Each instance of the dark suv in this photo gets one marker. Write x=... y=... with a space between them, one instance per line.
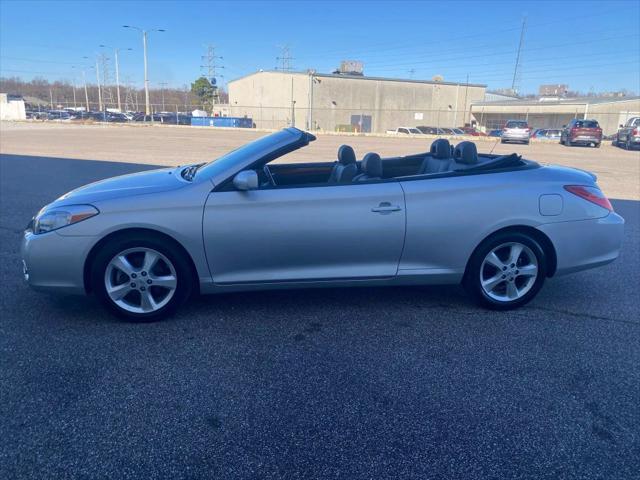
x=581 y=132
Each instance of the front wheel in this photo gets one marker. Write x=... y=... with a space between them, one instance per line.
x=506 y=271
x=140 y=278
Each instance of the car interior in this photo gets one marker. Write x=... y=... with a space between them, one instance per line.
x=441 y=160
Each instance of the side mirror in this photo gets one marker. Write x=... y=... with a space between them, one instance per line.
x=246 y=180
x=620 y=126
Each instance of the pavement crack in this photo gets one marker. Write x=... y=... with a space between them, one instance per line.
x=583 y=315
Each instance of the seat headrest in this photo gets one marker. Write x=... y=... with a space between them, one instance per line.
x=346 y=155
x=466 y=153
x=441 y=148
x=372 y=165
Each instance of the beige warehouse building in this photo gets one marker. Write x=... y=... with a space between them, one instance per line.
x=609 y=112
x=342 y=102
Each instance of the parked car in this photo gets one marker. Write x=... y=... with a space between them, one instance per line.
x=474 y=132
x=516 y=131
x=497 y=132
x=458 y=131
x=499 y=224
x=405 y=131
x=628 y=135
x=581 y=132
x=547 y=134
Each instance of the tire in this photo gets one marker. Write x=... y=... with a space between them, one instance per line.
x=598 y=144
x=480 y=269
x=135 y=294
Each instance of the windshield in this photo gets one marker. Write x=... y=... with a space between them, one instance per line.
x=415 y=131
x=587 y=124
x=257 y=148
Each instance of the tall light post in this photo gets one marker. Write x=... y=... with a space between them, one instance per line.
x=117 y=51
x=146 y=76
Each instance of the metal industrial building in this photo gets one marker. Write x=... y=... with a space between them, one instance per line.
x=609 y=112
x=343 y=102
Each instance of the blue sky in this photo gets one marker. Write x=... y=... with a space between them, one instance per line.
x=589 y=45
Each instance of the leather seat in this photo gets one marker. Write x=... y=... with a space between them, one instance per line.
x=346 y=167
x=439 y=158
x=465 y=155
x=371 y=166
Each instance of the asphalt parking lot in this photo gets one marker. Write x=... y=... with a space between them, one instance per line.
x=360 y=383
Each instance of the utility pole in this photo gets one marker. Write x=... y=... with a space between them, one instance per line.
x=146 y=72
x=514 y=83
x=98 y=80
x=285 y=59
x=211 y=68
x=86 y=93
x=466 y=92
x=162 y=85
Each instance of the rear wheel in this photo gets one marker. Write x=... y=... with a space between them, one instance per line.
x=140 y=278
x=506 y=271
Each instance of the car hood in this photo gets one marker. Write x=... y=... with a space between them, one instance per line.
x=152 y=181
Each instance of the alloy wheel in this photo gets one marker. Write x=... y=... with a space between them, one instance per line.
x=508 y=272
x=140 y=280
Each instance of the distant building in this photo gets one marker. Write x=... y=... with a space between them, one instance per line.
x=556 y=90
x=343 y=102
x=12 y=107
x=609 y=112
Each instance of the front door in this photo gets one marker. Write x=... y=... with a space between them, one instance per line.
x=304 y=234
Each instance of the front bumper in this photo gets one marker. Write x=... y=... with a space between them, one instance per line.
x=585 y=244
x=52 y=262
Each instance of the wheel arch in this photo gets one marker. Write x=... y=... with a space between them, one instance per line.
x=537 y=235
x=132 y=231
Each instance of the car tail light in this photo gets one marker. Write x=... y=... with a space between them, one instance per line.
x=590 y=194
x=636 y=131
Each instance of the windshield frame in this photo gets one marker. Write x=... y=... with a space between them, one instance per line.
x=253 y=154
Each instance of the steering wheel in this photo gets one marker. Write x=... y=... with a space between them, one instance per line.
x=267 y=172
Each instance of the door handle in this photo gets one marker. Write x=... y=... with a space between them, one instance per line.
x=385 y=208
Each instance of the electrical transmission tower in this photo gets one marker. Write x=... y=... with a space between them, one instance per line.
x=107 y=95
x=129 y=102
x=284 y=59
x=515 y=84
x=211 y=68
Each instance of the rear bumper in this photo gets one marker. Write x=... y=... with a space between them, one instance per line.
x=586 y=243
x=516 y=137
x=585 y=139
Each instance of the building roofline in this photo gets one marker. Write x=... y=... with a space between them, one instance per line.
x=360 y=77
x=572 y=101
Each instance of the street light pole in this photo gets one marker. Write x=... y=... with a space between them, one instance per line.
x=146 y=73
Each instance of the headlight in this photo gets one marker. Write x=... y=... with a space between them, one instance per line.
x=54 y=218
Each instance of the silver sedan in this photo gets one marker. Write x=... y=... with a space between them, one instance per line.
x=144 y=243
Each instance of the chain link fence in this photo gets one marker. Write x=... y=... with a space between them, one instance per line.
x=478 y=119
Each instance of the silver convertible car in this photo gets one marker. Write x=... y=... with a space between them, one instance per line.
x=500 y=224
